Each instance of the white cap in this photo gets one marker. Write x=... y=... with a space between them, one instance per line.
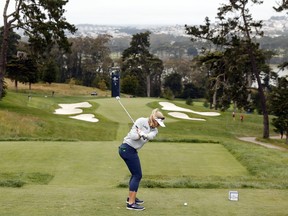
x=157 y=116
x=160 y=121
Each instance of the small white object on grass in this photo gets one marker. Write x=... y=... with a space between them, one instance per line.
x=233 y=195
x=185 y=204
x=117 y=98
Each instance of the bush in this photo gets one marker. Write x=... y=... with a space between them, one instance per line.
x=189 y=101
x=168 y=94
x=206 y=104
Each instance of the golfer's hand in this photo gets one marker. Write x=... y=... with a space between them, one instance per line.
x=142 y=134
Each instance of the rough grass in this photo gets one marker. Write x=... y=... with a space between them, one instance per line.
x=275 y=141
x=17 y=125
x=58 y=88
x=19 y=179
x=33 y=119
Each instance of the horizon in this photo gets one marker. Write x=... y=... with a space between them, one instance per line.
x=165 y=24
x=160 y=12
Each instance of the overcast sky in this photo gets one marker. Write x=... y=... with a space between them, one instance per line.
x=139 y=12
x=152 y=11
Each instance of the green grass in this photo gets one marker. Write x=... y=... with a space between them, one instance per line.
x=53 y=165
x=86 y=177
x=72 y=162
x=34 y=120
x=184 y=165
x=89 y=200
x=277 y=142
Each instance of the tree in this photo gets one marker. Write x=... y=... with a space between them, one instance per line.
x=50 y=70
x=23 y=70
x=174 y=83
x=225 y=80
x=279 y=106
x=31 y=74
x=14 y=70
x=279 y=96
x=232 y=31
x=192 y=91
x=89 y=60
x=281 y=6
x=156 y=69
x=11 y=51
x=129 y=85
x=182 y=67
x=13 y=42
x=139 y=62
x=216 y=82
x=42 y=21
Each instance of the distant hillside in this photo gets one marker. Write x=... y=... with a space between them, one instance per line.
x=275 y=26
x=123 y=31
x=171 y=41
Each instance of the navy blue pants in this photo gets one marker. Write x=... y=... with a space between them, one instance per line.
x=130 y=156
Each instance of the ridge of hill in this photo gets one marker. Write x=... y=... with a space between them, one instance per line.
x=275 y=26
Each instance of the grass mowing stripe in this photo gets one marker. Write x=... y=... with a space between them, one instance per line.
x=70 y=163
x=85 y=162
x=164 y=164
x=186 y=159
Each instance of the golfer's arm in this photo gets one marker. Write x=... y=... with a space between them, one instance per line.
x=134 y=135
x=151 y=135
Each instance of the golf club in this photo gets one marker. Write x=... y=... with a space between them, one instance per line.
x=118 y=98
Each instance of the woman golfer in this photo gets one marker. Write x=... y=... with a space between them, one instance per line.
x=143 y=130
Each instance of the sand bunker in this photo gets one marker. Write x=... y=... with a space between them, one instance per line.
x=184 y=116
x=85 y=117
x=71 y=109
x=68 y=111
x=172 y=107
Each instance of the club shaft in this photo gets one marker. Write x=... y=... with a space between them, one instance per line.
x=126 y=111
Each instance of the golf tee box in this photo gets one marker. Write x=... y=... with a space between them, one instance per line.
x=233 y=195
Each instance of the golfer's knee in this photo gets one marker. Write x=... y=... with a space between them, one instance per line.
x=137 y=177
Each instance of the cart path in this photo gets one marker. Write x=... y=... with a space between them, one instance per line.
x=267 y=145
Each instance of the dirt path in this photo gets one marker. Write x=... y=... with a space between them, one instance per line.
x=267 y=145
